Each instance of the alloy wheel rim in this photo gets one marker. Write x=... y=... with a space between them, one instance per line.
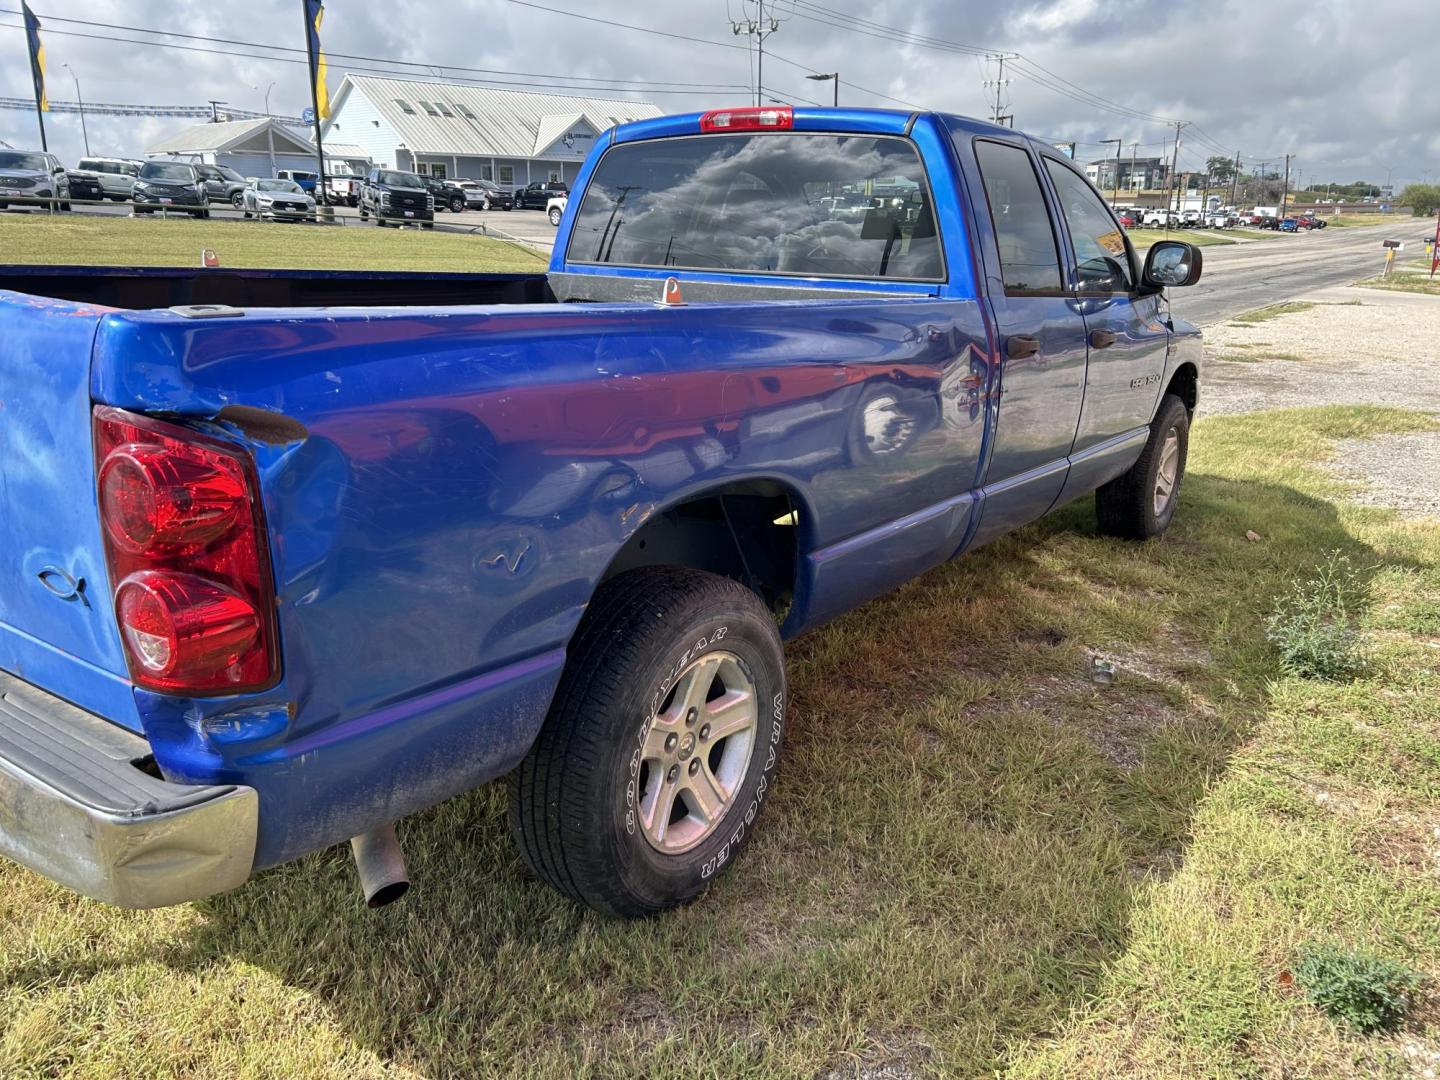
x=1165 y=475
x=696 y=753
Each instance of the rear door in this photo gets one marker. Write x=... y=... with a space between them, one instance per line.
x=1041 y=336
x=1126 y=337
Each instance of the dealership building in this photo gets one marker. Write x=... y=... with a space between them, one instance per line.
x=443 y=129
x=255 y=148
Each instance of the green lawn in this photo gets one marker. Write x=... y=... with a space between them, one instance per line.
x=977 y=859
x=123 y=241
x=1143 y=238
x=1416 y=281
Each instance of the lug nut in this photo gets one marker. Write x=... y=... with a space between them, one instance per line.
x=690 y=716
x=673 y=774
x=670 y=741
x=694 y=765
x=704 y=731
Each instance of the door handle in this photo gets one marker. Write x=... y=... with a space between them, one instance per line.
x=1101 y=339
x=1018 y=346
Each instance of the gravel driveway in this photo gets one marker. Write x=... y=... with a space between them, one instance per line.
x=1355 y=347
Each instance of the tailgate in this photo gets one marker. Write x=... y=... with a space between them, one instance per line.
x=57 y=629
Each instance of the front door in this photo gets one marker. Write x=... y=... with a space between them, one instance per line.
x=1126 y=336
x=1041 y=336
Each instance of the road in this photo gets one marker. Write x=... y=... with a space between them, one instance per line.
x=1246 y=276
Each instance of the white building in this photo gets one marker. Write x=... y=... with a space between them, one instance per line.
x=511 y=137
x=255 y=148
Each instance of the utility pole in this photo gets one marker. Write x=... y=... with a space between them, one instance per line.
x=1175 y=165
x=760 y=28
x=1133 y=148
x=999 y=83
x=1235 y=178
x=1115 y=187
x=1285 y=192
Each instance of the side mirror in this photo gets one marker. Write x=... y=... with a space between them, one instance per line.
x=1172 y=262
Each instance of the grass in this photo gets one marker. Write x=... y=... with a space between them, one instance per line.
x=94 y=239
x=1274 y=311
x=1143 y=238
x=976 y=860
x=1417 y=281
x=1360 y=221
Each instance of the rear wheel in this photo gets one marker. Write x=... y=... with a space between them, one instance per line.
x=457 y=204
x=660 y=745
x=555 y=216
x=1140 y=503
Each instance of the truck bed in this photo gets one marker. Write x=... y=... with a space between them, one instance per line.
x=139 y=287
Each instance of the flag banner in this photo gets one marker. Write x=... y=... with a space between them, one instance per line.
x=37 y=55
x=315 y=12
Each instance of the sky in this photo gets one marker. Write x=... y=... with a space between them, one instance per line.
x=1348 y=88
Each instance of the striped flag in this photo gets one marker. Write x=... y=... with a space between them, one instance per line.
x=37 y=55
x=315 y=13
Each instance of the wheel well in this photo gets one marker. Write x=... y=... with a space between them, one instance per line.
x=745 y=531
x=1185 y=384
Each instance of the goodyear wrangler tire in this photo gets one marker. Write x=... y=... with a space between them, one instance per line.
x=661 y=744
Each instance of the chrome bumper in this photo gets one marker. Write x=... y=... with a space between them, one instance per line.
x=75 y=808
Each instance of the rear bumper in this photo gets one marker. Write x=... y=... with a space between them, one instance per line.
x=75 y=808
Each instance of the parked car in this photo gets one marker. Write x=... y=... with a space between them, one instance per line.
x=338 y=554
x=170 y=185
x=1309 y=221
x=486 y=195
x=1130 y=218
x=85 y=186
x=283 y=200
x=390 y=195
x=1191 y=219
x=1220 y=220
x=303 y=177
x=1289 y=224
x=33 y=178
x=448 y=195
x=117 y=175
x=343 y=189
x=537 y=196
x=222 y=184
x=1159 y=218
x=555 y=209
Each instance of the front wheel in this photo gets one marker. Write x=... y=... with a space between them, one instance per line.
x=555 y=216
x=660 y=745
x=1140 y=503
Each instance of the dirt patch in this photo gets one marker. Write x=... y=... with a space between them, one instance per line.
x=1398 y=471
x=1379 y=351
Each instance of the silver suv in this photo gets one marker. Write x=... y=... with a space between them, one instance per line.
x=222 y=184
x=28 y=176
x=116 y=175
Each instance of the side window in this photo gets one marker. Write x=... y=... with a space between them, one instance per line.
x=1101 y=259
x=1029 y=259
x=507 y=175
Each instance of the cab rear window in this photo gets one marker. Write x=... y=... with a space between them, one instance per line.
x=848 y=206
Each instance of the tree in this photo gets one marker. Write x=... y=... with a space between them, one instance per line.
x=1424 y=199
x=1220 y=169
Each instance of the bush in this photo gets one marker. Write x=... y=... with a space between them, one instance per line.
x=1314 y=627
x=1364 y=991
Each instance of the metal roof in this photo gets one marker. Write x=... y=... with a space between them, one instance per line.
x=207 y=138
x=481 y=122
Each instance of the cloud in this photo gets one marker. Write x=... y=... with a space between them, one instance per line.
x=1344 y=87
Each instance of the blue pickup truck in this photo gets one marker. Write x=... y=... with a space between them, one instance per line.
x=289 y=556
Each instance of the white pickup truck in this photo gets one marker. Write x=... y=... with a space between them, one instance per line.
x=555 y=208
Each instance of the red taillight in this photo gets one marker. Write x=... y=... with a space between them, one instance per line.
x=752 y=119
x=189 y=563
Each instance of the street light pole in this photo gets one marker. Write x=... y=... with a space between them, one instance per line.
x=80 y=101
x=1115 y=187
x=834 y=77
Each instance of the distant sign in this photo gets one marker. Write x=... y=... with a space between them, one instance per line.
x=1398 y=245
x=1066 y=148
x=1384 y=207
x=308 y=116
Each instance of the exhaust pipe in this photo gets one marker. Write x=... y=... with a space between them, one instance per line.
x=382 y=867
